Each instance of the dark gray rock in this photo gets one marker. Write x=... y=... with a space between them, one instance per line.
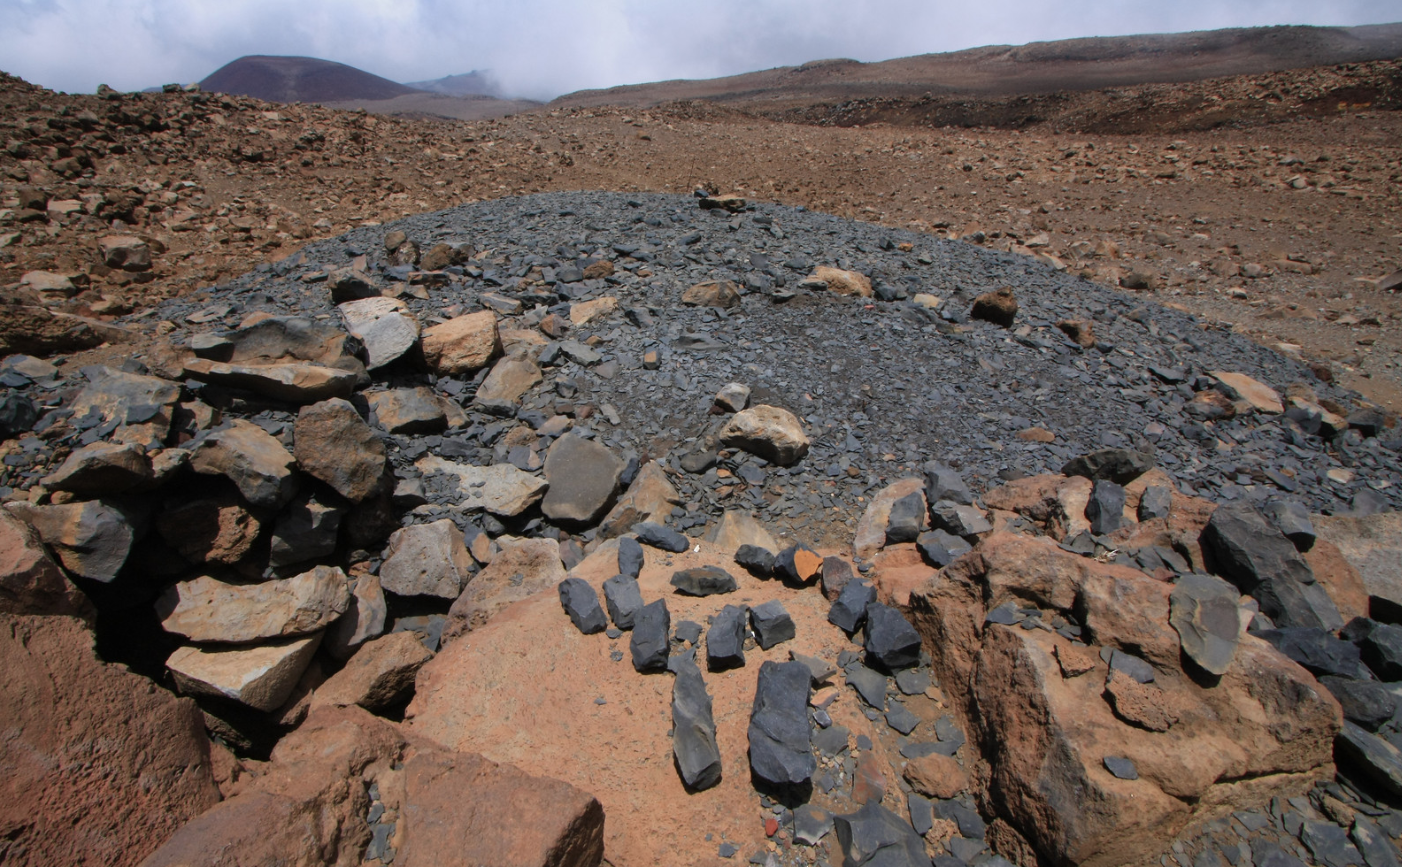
x=652 y=627
x=811 y=824
x=756 y=560
x=1318 y=651
x=1121 y=767
x=912 y=681
x=704 y=581
x=1381 y=648
x=940 y=548
x=583 y=476
x=1371 y=756
x=1259 y=560
x=725 y=640
x=771 y=623
x=877 y=837
x=1204 y=611
x=1105 y=509
x=624 y=600
x=693 y=728
x=779 y=734
x=907 y=518
x=1265 y=853
x=1327 y=842
x=849 y=612
x=1131 y=665
x=970 y=823
x=630 y=557
x=945 y=483
x=1120 y=466
x=870 y=685
x=890 y=639
x=658 y=536
x=831 y=741
x=836 y=572
x=901 y=719
x=959 y=519
x=1292 y=519
x=17 y=414
x=306 y=531
x=1155 y=502
x=922 y=814
x=1373 y=842
x=688 y=631
x=581 y=603
x=1365 y=702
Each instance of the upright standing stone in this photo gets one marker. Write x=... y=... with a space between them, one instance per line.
x=693 y=728
x=772 y=624
x=781 y=752
x=1105 y=511
x=630 y=557
x=890 y=639
x=725 y=640
x=624 y=600
x=652 y=629
x=850 y=610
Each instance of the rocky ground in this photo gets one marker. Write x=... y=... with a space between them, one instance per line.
x=649 y=527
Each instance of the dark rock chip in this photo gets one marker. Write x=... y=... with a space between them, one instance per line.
x=1381 y=647
x=1265 y=853
x=940 y=548
x=788 y=563
x=1370 y=755
x=662 y=537
x=945 y=483
x=831 y=741
x=703 y=581
x=848 y=613
x=1121 y=767
x=630 y=557
x=1292 y=519
x=959 y=519
x=1373 y=842
x=652 y=627
x=811 y=824
x=971 y=824
x=755 y=560
x=907 y=518
x=912 y=681
x=901 y=719
x=1156 y=502
x=870 y=685
x=771 y=623
x=1203 y=609
x=17 y=414
x=779 y=734
x=1105 y=510
x=1318 y=651
x=890 y=639
x=1131 y=665
x=306 y=531
x=875 y=836
x=725 y=640
x=688 y=631
x=581 y=603
x=1120 y=466
x=1259 y=560
x=693 y=728
x=624 y=600
x=836 y=572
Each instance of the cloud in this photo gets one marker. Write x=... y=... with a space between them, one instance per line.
x=542 y=48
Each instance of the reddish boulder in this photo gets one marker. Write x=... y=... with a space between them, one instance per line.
x=100 y=765
x=30 y=581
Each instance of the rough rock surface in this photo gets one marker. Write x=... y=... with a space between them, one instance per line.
x=30 y=581
x=208 y=610
x=583 y=477
x=523 y=567
x=771 y=432
x=379 y=676
x=334 y=444
x=260 y=676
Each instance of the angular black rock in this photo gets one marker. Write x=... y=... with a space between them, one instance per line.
x=890 y=639
x=1105 y=510
x=755 y=560
x=693 y=728
x=1372 y=841
x=875 y=836
x=1131 y=665
x=850 y=610
x=1370 y=756
x=970 y=823
x=704 y=581
x=1318 y=651
x=901 y=719
x=630 y=557
x=907 y=517
x=780 y=742
x=624 y=599
x=771 y=623
x=1121 y=767
x=945 y=483
x=870 y=685
x=958 y=518
x=688 y=631
x=1120 y=466
x=1382 y=650
x=17 y=414
x=1259 y=560
x=784 y=565
x=940 y=548
x=652 y=627
x=1292 y=519
x=811 y=824
x=581 y=603
x=1365 y=702
x=725 y=640
x=659 y=536
x=1156 y=502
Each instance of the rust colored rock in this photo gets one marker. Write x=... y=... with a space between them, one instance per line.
x=378 y=676
x=511 y=377
x=1339 y=577
x=1075 y=661
x=712 y=293
x=101 y=766
x=1080 y=331
x=252 y=459
x=998 y=307
x=217 y=529
x=335 y=445
x=936 y=776
x=102 y=468
x=649 y=498
x=868 y=783
x=521 y=568
x=30 y=581
x=463 y=344
x=510 y=818
x=842 y=282
x=1143 y=704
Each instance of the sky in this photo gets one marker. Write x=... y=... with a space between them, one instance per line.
x=543 y=48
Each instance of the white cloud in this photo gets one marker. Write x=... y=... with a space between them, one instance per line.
x=542 y=48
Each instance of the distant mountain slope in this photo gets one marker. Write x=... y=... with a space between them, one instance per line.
x=439 y=106
x=478 y=82
x=300 y=79
x=1039 y=67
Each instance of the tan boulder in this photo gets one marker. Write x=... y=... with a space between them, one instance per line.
x=1239 y=386
x=101 y=766
x=842 y=282
x=740 y=528
x=511 y=377
x=257 y=464
x=897 y=571
x=1341 y=580
x=378 y=676
x=261 y=676
x=771 y=432
x=426 y=560
x=712 y=293
x=587 y=311
x=294 y=383
x=649 y=498
x=208 y=610
x=999 y=307
x=463 y=344
x=521 y=568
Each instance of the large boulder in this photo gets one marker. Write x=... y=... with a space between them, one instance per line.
x=523 y=567
x=426 y=560
x=1256 y=557
x=335 y=445
x=511 y=377
x=208 y=610
x=294 y=382
x=102 y=468
x=257 y=464
x=101 y=766
x=583 y=477
x=142 y=406
x=92 y=540
x=30 y=581
x=385 y=326
x=1261 y=729
x=463 y=344
x=771 y=432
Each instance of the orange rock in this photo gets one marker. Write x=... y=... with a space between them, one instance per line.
x=936 y=776
x=1340 y=579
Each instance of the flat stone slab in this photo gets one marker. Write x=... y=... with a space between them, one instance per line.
x=504 y=490
x=261 y=677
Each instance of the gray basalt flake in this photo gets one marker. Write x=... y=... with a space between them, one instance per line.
x=630 y=557
x=703 y=581
x=772 y=624
x=781 y=751
x=725 y=640
x=875 y=836
x=651 y=628
x=890 y=639
x=693 y=728
x=850 y=610
x=1255 y=556
x=1203 y=609
x=581 y=603
x=624 y=600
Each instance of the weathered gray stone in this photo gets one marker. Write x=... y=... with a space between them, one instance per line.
x=364 y=618
x=1105 y=509
x=890 y=639
x=624 y=600
x=1204 y=611
x=959 y=519
x=781 y=752
x=1120 y=466
x=725 y=640
x=385 y=326
x=583 y=477
x=408 y=410
x=257 y=464
x=694 y=729
x=1259 y=560
x=849 y=611
x=771 y=623
x=208 y=610
x=291 y=382
x=511 y=377
x=875 y=836
x=307 y=530
x=703 y=581
x=733 y=397
x=652 y=628
x=102 y=468
x=581 y=603
x=426 y=560
x=773 y=433
x=91 y=540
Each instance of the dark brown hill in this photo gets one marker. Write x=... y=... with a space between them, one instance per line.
x=1036 y=68
x=299 y=79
